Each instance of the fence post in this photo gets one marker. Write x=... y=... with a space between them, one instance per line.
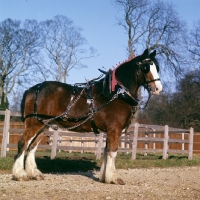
x=134 y=143
x=98 y=156
x=165 y=142
x=146 y=144
x=190 y=147
x=5 y=133
x=183 y=138
x=54 y=144
x=154 y=136
x=123 y=143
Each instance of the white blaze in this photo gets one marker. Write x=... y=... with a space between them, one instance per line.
x=155 y=76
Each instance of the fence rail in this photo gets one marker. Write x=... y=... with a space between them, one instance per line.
x=130 y=142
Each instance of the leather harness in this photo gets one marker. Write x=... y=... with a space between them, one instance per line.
x=118 y=90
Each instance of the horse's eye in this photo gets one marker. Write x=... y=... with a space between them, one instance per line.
x=145 y=68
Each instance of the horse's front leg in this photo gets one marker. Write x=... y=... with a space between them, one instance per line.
x=108 y=173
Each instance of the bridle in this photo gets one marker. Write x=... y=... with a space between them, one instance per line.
x=144 y=66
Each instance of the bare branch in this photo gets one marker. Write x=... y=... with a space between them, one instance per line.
x=18 y=49
x=64 y=45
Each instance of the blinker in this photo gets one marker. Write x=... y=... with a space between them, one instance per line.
x=145 y=68
x=145 y=65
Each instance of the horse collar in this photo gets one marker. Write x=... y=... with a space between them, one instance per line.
x=125 y=95
x=122 y=91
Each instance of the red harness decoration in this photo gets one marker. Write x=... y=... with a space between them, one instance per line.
x=114 y=80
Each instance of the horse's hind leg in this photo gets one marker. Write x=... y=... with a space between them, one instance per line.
x=30 y=164
x=32 y=127
x=18 y=168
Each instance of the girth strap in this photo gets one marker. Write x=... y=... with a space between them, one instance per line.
x=36 y=97
x=41 y=117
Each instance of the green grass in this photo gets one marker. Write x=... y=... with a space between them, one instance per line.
x=75 y=162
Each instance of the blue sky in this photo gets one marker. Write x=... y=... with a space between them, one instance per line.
x=97 y=18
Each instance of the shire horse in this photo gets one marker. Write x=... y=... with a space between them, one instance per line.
x=105 y=104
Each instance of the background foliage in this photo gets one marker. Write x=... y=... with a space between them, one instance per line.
x=33 y=51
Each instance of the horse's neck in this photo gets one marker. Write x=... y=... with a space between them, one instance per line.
x=134 y=90
x=132 y=84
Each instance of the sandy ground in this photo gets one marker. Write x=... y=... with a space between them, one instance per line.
x=147 y=184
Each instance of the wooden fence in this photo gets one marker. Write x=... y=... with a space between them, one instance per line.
x=139 y=138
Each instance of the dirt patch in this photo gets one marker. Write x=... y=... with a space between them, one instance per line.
x=5 y=172
x=168 y=183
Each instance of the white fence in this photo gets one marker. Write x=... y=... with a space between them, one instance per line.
x=129 y=142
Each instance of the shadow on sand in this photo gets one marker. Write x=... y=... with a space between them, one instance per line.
x=68 y=166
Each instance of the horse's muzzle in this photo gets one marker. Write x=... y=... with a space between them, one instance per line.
x=156 y=90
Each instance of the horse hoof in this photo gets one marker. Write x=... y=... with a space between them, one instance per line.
x=38 y=178
x=24 y=178
x=120 y=181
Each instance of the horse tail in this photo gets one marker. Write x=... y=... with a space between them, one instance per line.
x=23 y=105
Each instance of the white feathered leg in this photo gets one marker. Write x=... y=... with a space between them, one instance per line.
x=18 y=169
x=108 y=173
x=31 y=167
x=103 y=166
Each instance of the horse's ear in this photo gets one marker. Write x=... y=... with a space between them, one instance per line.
x=145 y=54
x=153 y=54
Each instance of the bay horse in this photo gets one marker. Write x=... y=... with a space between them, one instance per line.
x=105 y=104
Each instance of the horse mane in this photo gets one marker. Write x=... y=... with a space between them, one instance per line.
x=126 y=72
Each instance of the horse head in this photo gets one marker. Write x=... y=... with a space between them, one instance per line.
x=139 y=71
x=147 y=73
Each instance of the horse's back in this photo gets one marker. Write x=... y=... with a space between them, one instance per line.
x=46 y=98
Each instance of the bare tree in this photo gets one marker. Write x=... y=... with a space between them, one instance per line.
x=154 y=25
x=65 y=47
x=194 y=45
x=18 y=52
x=132 y=21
